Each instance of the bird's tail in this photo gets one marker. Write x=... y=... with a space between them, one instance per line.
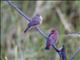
x=47 y=47
x=26 y=29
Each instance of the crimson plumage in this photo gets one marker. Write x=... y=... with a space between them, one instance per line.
x=52 y=39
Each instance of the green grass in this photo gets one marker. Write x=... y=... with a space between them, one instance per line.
x=32 y=44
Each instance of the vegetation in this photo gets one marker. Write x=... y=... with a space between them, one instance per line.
x=15 y=45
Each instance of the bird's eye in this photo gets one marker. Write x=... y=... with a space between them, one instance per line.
x=52 y=31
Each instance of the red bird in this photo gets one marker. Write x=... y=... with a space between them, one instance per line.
x=52 y=39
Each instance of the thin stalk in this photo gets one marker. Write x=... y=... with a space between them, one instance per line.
x=77 y=51
x=61 y=51
x=19 y=11
x=26 y=17
x=41 y=32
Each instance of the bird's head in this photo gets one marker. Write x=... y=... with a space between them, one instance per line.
x=39 y=16
x=53 y=31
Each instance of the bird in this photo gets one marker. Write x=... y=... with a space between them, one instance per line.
x=52 y=39
x=36 y=21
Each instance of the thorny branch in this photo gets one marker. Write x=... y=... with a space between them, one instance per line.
x=25 y=16
x=77 y=51
x=61 y=51
x=19 y=11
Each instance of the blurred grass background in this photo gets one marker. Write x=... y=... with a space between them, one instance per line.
x=15 y=45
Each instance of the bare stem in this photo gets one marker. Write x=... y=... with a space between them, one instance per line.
x=77 y=51
x=26 y=17
x=61 y=51
x=57 y=50
x=41 y=32
x=19 y=11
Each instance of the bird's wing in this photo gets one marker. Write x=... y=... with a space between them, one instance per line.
x=52 y=39
x=34 y=22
